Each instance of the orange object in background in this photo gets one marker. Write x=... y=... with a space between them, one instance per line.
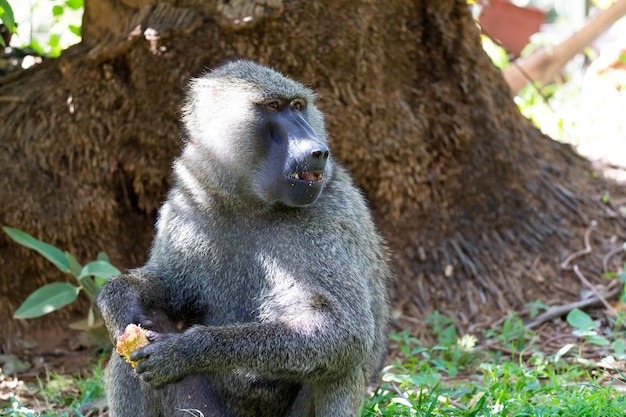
x=509 y=24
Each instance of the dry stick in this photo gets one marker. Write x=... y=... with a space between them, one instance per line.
x=594 y=290
x=586 y=250
x=400 y=393
x=605 y=260
x=598 y=298
x=554 y=312
x=557 y=337
x=581 y=277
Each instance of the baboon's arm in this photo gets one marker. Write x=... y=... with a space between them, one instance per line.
x=126 y=298
x=274 y=350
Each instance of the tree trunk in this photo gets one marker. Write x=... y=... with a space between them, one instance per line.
x=478 y=207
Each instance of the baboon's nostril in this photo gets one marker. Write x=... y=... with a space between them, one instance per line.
x=320 y=154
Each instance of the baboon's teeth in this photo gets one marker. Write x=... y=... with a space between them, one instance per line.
x=308 y=176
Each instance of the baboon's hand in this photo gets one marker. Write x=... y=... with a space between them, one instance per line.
x=139 y=319
x=164 y=361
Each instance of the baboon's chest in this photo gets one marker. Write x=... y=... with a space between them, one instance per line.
x=268 y=273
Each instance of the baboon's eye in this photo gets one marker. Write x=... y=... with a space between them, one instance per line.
x=298 y=105
x=273 y=105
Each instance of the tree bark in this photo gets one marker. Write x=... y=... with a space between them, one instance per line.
x=478 y=207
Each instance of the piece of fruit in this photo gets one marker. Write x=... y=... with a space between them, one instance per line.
x=133 y=338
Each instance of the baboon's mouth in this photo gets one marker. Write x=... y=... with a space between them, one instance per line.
x=307 y=176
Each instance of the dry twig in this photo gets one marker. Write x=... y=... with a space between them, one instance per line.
x=561 y=310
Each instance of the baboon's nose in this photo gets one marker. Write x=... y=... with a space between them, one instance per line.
x=320 y=154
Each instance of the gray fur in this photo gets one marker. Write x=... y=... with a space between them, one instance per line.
x=257 y=308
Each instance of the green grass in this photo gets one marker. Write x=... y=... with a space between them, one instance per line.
x=456 y=377
x=505 y=388
x=55 y=395
x=504 y=374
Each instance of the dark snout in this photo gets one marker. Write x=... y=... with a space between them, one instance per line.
x=301 y=157
x=306 y=169
x=307 y=159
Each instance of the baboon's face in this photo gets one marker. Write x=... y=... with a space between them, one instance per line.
x=255 y=134
x=293 y=159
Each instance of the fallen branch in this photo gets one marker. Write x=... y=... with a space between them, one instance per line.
x=612 y=252
x=597 y=299
x=559 y=311
x=594 y=290
x=585 y=251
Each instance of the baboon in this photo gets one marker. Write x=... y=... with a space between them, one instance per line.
x=265 y=290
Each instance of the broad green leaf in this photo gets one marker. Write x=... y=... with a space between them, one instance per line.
x=598 y=340
x=57 y=10
x=100 y=282
x=76 y=30
x=580 y=320
x=103 y=257
x=88 y=284
x=47 y=299
x=619 y=349
x=37 y=47
x=54 y=40
x=51 y=253
x=6 y=15
x=101 y=269
x=75 y=266
x=74 y=4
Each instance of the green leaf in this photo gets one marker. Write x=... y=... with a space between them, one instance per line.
x=88 y=284
x=75 y=266
x=47 y=299
x=74 y=4
x=100 y=282
x=76 y=30
x=580 y=320
x=103 y=257
x=51 y=253
x=101 y=269
x=6 y=15
x=54 y=40
x=37 y=47
x=619 y=349
x=57 y=10
x=598 y=340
